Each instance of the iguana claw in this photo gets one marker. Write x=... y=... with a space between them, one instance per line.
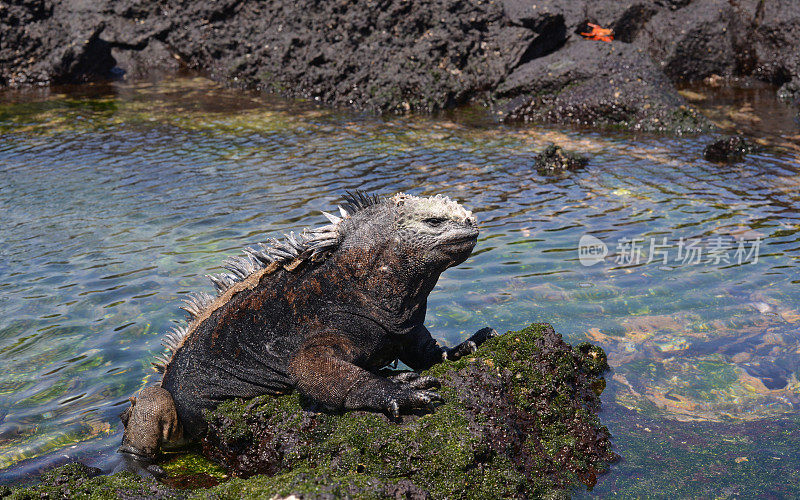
x=470 y=345
x=412 y=393
x=483 y=335
x=394 y=410
x=414 y=399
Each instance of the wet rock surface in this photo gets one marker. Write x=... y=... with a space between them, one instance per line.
x=728 y=150
x=596 y=83
x=696 y=41
x=396 y=56
x=519 y=421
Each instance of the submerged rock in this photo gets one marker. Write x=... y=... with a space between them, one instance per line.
x=554 y=160
x=519 y=421
x=728 y=150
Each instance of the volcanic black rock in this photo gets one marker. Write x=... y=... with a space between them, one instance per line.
x=398 y=56
x=728 y=150
x=554 y=160
x=596 y=83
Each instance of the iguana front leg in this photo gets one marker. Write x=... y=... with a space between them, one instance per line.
x=324 y=371
x=422 y=351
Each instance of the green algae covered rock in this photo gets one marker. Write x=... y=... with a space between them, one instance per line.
x=76 y=480
x=519 y=421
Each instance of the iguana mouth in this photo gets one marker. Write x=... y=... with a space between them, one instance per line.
x=459 y=245
x=464 y=239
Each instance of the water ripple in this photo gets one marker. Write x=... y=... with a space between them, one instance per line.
x=107 y=221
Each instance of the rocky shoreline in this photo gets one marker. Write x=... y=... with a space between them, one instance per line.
x=520 y=420
x=525 y=59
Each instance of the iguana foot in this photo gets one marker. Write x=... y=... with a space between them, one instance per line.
x=411 y=393
x=404 y=392
x=150 y=422
x=470 y=345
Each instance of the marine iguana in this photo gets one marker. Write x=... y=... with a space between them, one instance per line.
x=320 y=313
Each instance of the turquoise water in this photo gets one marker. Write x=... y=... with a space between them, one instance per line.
x=115 y=201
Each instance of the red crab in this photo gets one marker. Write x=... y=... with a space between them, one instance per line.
x=598 y=33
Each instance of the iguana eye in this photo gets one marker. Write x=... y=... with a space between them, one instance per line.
x=434 y=221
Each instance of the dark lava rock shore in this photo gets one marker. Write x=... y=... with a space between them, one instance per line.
x=526 y=58
x=519 y=420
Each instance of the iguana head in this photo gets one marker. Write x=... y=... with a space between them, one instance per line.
x=437 y=229
x=417 y=237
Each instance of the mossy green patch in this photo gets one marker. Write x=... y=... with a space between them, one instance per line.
x=192 y=471
x=77 y=481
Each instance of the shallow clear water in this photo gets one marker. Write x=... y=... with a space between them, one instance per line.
x=114 y=203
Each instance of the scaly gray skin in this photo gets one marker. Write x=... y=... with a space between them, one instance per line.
x=320 y=313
